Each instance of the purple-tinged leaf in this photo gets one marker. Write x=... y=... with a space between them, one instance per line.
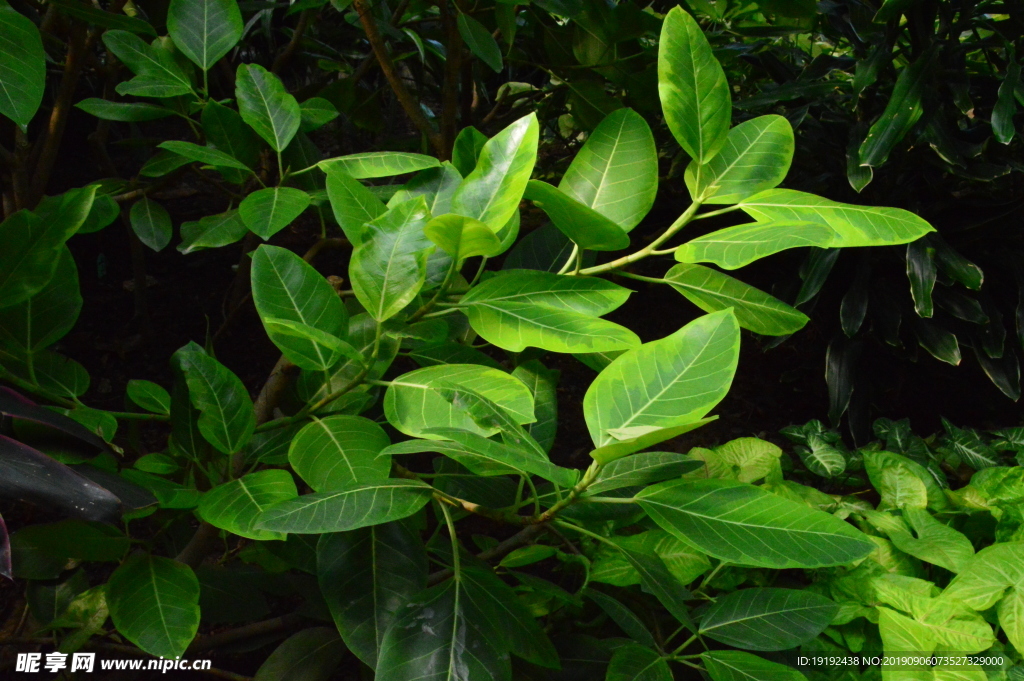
x=13 y=404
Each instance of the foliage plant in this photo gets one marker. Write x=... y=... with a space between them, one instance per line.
x=372 y=479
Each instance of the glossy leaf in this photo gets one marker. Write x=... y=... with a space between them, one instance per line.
x=374 y=164
x=755 y=157
x=767 y=618
x=542 y=383
x=23 y=67
x=312 y=654
x=353 y=204
x=922 y=273
x=154 y=603
x=492 y=192
x=340 y=451
x=694 y=93
x=735 y=247
x=389 y=267
x=633 y=662
x=642 y=469
x=901 y=112
x=1006 y=103
x=149 y=396
x=151 y=223
x=212 y=231
x=652 y=386
x=366 y=576
x=740 y=523
x=226 y=417
x=436 y=185
x=347 y=508
x=156 y=72
x=266 y=105
x=755 y=310
x=468 y=145
x=204 y=30
x=735 y=665
x=236 y=506
x=463 y=237
x=586 y=227
x=480 y=41
x=267 y=211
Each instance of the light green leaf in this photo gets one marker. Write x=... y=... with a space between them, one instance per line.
x=347 y=508
x=735 y=247
x=208 y=155
x=767 y=619
x=756 y=156
x=389 y=267
x=151 y=223
x=154 y=603
x=589 y=229
x=23 y=67
x=643 y=469
x=340 y=451
x=853 y=225
x=924 y=537
x=226 y=412
x=436 y=185
x=1011 y=617
x=266 y=105
x=480 y=41
x=633 y=662
x=463 y=237
x=516 y=326
x=413 y=403
x=285 y=287
x=325 y=349
x=586 y=295
x=487 y=457
x=542 y=383
x=46 y=317
x=694 y=92
x=735 y=665
x=372 y=164
x=616 y=171
x=901 y=112
x=204 y=30
x=984 y=579
x=123 y=111
x=656 y=385
x=822 y=457
x=625 y=441
x=492 y=192
x=743 y=524
x=267 y=211
x=353 y=204
x=877 y=463
x=212 y=231
x=237 y=505
x=755 y=310
x=366 y=576
x=149 y=396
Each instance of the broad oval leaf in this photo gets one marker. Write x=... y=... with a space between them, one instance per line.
x=735 y=665
x=463 y=237
x=237 y=505
x=157 y=73
x=517 y=326
x=212 y=231
x=340 y=451
x=768 y=618
x=312 y=654
x=286 y=287
x=694 y=92
x=756 y=156
x=347 y=508
x=372 y=164
x=743 y=524
x=151 y=223
x=149 y=396
x=47 y=316
x=154 y=603
x=853 y=225
x=634 y=662
x=353 y=205
x=984 y=579
x=226 y=417
x=23 y=67
x=616 y=171
x=480 y=41
x=267 y=211
x=665 y=383
x=755 y=310
x=586 y=295
x=266 y=105
x=734 y=247
x=586 y=227
x=414 y=404
x=204 y=30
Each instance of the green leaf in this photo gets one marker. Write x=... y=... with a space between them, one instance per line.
x=204 y=30
x=625 y=441
x=103 y=18
x=208 y=155
x=23 y=67
x=735 y=247
x=267 y=211
x=316 y=113
x=162 y=163
x=157 y=74
x=627 y=620
x=123 y=111
x=589 y=229
x=743 y=524
x=984 y=579
x=154 y=603
x=921 y=272
x=285 y=287
x=924 y=537
x=340 y=451
x=901 y=112
x=694 y=92
x=413 y=403
x=1006 y=103
x=756 y=156
x=436 y=185
x=226 y=131
x=312 y=654
x=366 y=576
x=347 y=508
x=266 y=105
x=149 y=396
x=755 y=310
x=77 y=539
x=853 y=225
x=47 y=316
x=542 y=383
x=734 y=665
x=151 y=223
x=492 y=192
x=767 y=619
x=372 y=164
x=226 y=412
x=656 y=580
x=480 y=41
x=654 y=386
x=641 y=470
x=822 y=457
x=353 y=204
x=468 y=145
x=616 y=171
x=633 y=662
x=487 y=457
x=236 y=506
x=103 y=211
x=212 y=231
x=463 y=237
x=389 y=267
x=587 y=295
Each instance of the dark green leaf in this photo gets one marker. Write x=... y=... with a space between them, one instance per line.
x=922 y=272
x=634 y=662
x=339 y=451
x=347 y=508
x=642 y=469
x=767 y=619
x=266 y=105
x=237 y=506
x=123 y=111
x=901 y=113
x=226 y=412
x=589 y=229
x=212 y=231
x=23 y=67
x=310 y=655
x=151 y=223
x=267 y=211
x=480 y=41
x=734 y=665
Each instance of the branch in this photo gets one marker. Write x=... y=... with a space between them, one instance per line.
x=521 y=538
x=224 y=638
x=293 y=44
